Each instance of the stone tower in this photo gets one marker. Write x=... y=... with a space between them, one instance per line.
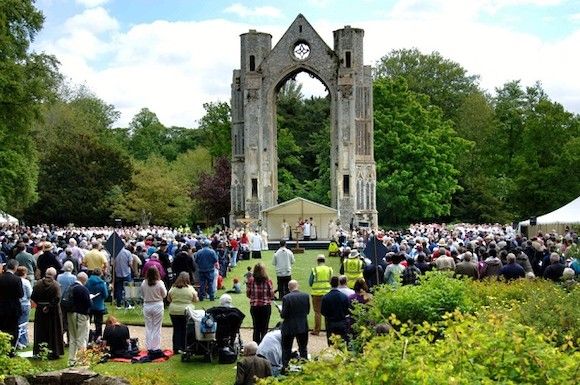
x=263 y=71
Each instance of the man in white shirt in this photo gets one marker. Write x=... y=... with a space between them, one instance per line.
x=307 y=228
x=283 y=260
x=256 y=245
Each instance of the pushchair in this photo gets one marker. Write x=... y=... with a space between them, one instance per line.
x=199 y=341
x=228 y=338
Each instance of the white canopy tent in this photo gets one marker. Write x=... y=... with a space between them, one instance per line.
x=567 y=215
x=295 y=209
x=7 y=219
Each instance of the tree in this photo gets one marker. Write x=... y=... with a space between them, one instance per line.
x=416 y=154
x=212 y=192
x=445 y=82
x=80 y=165
x=147 y=135
x=215 y=126
x=156 y=190
x=27 y=79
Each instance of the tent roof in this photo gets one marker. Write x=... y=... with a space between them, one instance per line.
x=7 y=218
x=569 y=213
x=300 y=206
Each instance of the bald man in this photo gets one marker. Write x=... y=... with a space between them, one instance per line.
x=295 y=309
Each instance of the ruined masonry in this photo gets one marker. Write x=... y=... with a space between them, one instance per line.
x=263 y=71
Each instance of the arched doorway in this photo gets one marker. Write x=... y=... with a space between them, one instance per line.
x=254 y=153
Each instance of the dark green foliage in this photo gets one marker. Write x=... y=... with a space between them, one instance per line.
x=27 y=79
x=215 y=127
x=303 y=146
x=416 y=152
x=212 y=193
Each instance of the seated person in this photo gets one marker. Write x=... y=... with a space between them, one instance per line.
x=229 y=320
x=333 y=249
x=271 y=349
x=237 y=288
x=116 y=337
x=252 y=366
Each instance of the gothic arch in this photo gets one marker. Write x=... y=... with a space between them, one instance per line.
x=255 y=85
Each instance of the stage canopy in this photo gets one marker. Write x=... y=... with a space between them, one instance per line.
x=567 y=215
x=294 y=210
x=7 y=218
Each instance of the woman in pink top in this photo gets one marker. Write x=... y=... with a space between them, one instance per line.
x=154 y=291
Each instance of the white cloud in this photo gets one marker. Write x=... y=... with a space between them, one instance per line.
x=92 y=3
x=174 y=67
x=575 y=17
x=243 y=11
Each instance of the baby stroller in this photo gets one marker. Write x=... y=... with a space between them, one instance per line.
x=228 y=339
x=200 y=335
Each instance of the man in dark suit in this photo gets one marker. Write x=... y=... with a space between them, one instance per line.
x=10 y=293
x=295 y=309
x=335 y=309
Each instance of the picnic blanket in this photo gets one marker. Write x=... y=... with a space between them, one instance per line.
x=143 y=357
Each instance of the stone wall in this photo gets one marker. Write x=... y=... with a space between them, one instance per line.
x=72 y=376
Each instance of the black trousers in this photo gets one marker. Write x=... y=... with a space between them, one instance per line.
x=178 y=322
x=283 y=285
x=256 y=254
x=9 y=325
x=98 y=320
x=288 y=340
x=260 y=319
x=339 y=328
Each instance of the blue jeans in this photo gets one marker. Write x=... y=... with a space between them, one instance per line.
x=206 y=281
x=120 y=289
x=234 y=259
x=23 y=320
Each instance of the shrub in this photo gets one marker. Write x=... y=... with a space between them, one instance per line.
x=474 y=350
x=11 y=366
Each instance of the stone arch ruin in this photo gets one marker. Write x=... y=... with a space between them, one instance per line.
x=263 y=70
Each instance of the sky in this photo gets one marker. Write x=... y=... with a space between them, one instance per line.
x=172 y=56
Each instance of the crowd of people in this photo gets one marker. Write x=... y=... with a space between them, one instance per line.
x=67 y=273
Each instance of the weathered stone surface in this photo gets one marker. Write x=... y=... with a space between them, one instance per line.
x=16 y=380
x=263 y=70
x=106 y=380
x=76 y=376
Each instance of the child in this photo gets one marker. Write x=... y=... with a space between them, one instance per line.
x=236 y=289
x=248 y=274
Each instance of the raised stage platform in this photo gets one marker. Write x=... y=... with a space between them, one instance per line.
x=319 y=244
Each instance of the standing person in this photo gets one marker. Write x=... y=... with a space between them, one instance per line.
x=64 y=280
x=166 y=263
x=123 y=262
x=78 y=318
x=511 y=270
x=260 y=291
x=27 y=260
x=556 y=268
x=206 y=258
x=313 y=230
x=234 y=247
x=306 y=230
x=48 y=317
x=394 y=271
x=47 y=259
x=353 y=268
x=95 y=258
x=98 y=288
x=180 y=296
x=335 y=308
x=22 y=272
x=256 y=245
x=183 y=262
x=285 y=230
x=295 y=309
x=251 y=366
x=10 y=293
x=282 y=261
x=154 y=292
x=320 y=283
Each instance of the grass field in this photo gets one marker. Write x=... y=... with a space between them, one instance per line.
x=300 y=271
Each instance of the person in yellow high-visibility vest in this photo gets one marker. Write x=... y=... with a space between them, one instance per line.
x=353 y=268
x=320 y=284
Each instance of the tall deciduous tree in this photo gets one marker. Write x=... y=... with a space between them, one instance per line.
x=212 y=193
x=416 y=154
x=446 y=82
x=27 y=79
x=215 y=127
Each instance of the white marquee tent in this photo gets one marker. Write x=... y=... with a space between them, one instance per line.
x=567 y=215
x=7 y=218
x=295 y=209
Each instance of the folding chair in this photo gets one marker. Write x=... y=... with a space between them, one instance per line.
x=133 y=295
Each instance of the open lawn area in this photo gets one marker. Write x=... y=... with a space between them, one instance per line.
x=300 y=271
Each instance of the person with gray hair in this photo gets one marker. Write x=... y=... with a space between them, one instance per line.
x=568 y=279
x=466 y=267
x=512 y=270
x=46 y=295
x=251 y=366
x=556 y=268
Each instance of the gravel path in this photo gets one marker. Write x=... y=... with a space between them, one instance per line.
x=315 y=343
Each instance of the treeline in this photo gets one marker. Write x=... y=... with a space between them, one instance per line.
x=445 y=148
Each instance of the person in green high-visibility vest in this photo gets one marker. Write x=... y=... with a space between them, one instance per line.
x=353 y=268
x=320 y=284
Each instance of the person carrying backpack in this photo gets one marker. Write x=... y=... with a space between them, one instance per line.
x=411 y=273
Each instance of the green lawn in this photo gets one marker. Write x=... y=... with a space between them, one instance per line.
x=300 y=271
